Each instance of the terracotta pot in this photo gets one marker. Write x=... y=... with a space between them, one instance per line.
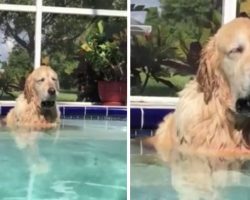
x=112 y=92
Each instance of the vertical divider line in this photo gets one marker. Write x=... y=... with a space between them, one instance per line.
x=107 y=111
x=142 y=117
x=85 y=111
x=38 y=34
x=141 y=147
x=229 y=9
x=128 y=98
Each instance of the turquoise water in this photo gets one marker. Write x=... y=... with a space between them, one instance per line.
x=188 y=177
x=84 y=159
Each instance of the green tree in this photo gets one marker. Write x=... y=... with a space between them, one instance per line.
x=13 y=78
x=178 y=32
x=193 y=20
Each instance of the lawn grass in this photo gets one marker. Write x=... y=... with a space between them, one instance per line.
x=64 y=95
x=155 y=88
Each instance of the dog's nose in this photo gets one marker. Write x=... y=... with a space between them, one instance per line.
x=243 y=106
x=51 y=91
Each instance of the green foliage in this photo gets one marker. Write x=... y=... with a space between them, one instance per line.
x=192 y=20
x=64 y=67
x=20 y=27
x=155 y=88
x=119 y=4
x=18 y=67
x=24 y=2
x=173 y=47
x=15 y=71
x=97 y=4
x=105 y=56
x=61 y=32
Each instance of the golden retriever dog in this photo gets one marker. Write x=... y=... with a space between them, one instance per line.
x=212 y=114
x=36 y=106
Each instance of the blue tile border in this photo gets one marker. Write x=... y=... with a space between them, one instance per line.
x=117 y=111
x=152 y=117
x=144 y=121
x=73 y=111
x=4 y=110
x=82 y=111
x=94 y=111
x=136 y=117
x=147 y=118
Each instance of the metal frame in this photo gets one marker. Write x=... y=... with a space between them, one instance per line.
x=229 y=9
x=39 y=9
x=228 y=13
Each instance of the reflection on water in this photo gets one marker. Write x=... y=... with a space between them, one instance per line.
x=214 y=178
x=26 y=140
x=78 y=161
x=181 y=176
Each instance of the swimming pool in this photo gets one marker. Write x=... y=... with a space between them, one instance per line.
x=84 y=159
x=187 y=177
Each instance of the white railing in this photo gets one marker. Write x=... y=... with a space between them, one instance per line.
x=39 y=9
x=228 y=13
x=229 y=10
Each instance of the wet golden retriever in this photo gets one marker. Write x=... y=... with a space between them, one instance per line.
x=36 y=106
x=212 y=115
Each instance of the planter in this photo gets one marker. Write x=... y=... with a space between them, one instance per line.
x=112 y=92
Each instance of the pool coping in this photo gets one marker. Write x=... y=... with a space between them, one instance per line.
x=144 y=119
x=77 y=110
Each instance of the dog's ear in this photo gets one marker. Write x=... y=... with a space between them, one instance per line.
x=207 y=74
x=28 y=88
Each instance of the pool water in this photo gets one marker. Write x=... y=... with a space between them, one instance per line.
x=84 y=159
x=188 y=177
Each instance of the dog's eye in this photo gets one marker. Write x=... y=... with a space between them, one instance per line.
x=41 y=80
x=54 y=79
x=238 y=49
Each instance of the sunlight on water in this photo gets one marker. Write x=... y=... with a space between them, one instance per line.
x=84 y=159
x=189 y=177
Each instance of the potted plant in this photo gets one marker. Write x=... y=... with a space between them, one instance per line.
x=107 y=58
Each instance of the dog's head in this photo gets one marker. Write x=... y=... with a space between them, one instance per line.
x=226 y=58
x=42 y=86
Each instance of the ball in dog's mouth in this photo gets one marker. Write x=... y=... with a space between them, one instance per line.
x=47 y=104
x=243 y=106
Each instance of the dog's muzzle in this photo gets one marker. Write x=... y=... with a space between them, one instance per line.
x=241 y=115
x=48 y=104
